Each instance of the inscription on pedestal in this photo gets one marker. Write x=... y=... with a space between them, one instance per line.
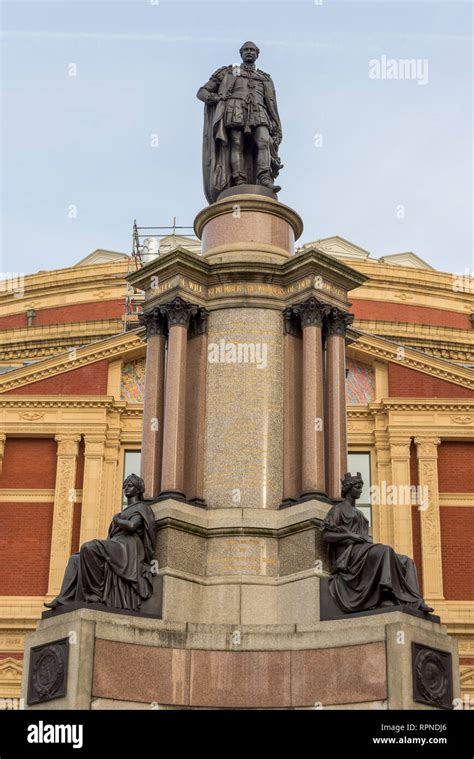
x=242 y=556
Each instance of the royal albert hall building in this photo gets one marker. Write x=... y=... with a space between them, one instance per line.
x=72 y=361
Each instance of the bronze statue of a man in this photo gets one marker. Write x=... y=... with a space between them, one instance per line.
x=242 y=128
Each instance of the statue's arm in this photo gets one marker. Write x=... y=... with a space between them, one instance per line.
x=208 y=92
x=271 y=100
x=330 y=536
x=129 y=525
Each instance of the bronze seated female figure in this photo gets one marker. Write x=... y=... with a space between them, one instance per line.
x=117 y=571
x=365 y=575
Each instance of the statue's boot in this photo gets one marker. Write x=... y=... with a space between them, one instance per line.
x=238 y=178
x=52 y=604
x=427 y=609
x=266 y=181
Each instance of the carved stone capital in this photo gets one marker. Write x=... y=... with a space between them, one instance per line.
x=427 y=447
x=198 y=322
x=291 y=321
x=400 y=447
x=154 y=322
x=179 y=311
x=311 y=312
x=337 y=322
x=68 y=445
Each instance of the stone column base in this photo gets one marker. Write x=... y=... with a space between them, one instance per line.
x=113 y=661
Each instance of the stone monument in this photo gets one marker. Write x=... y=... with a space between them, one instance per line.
x=244 y=449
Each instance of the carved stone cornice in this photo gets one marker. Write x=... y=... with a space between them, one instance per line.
x=337 y=322
x=154 y=321
x=179 y=311
x=311 y=312
x=378 y=347
x=198 y=322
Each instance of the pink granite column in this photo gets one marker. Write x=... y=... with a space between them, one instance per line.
x=337 y=322
x=152 y=429
x=292 y=406
x=196 y=408
x=178 y=313
x=313 y=466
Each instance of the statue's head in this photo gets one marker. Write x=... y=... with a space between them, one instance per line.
x=133 y=486
x=249 y=52
x=352 y=484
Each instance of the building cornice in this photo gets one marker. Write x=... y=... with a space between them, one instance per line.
x=128 y=343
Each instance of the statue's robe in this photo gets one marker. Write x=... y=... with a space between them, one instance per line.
x=216 y=147
x=365 y=574
x=117 y=571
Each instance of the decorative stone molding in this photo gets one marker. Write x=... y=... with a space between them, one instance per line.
x=154 y=322
x=179 y=311
x=381 y=348
x=432 y=676
x=2 y=450
x=427 y=454
x=291 y=322
x=198 y=322
x=427 y=447
x=311 y=312
x=337 y=322
x=114 y=347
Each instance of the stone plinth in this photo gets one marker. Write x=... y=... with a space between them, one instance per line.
x=248 y=227
x=126 y=662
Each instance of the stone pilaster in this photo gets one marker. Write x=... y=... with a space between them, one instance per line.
x=3 y=439
x=92 y=491
x=109 y=504
x=153 y=407
x=382 y=511
x=336 y=324
x=427 y=455
x=402 y=521
x=64 y=500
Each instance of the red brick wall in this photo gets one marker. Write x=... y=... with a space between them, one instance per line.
x=76 y=527
x=398 y=312
x=457 y=544
x=413 y=464
x=29 y=463
x=456 y=467
x=25 y=545
x=80 y=466
x=79 y=312
x=417 y=555
x=90 y=379
x=408 y=383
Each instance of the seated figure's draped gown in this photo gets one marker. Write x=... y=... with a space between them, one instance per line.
x=116 y=571
x=365 y=574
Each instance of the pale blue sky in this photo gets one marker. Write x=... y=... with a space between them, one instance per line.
x=85 y=140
